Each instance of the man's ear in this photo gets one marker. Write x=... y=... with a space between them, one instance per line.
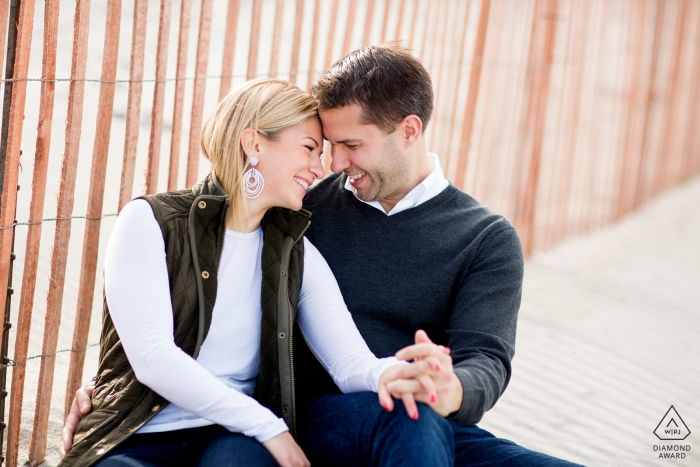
x=249 y=142
x=411 y=127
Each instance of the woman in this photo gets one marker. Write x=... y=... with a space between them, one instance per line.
x=202 y=288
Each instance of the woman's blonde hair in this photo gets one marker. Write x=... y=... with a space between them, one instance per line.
x=265 y=105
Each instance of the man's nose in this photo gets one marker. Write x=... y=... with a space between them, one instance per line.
x=339 y=160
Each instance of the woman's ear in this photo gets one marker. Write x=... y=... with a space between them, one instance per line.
x=249 y=142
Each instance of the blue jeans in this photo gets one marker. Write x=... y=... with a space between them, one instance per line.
x=354 y=430
x=204 y=446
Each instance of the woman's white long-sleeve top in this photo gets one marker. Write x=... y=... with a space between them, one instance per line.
x=217 y=387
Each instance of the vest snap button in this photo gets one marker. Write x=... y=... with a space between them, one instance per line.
x=205 y=274
x=285 y=410
x=283 y=273
x=282 y=334
x=155 y=408
x=100 y=451
x=202 y=205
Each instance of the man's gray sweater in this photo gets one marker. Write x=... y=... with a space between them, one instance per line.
x=448 y=266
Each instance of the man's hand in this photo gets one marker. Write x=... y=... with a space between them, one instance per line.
x=429 y=360
x=286 y=451
x=82 y=404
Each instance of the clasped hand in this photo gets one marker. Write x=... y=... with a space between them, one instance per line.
x=428 y=378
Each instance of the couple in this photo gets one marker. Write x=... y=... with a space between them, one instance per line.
x=210 y=290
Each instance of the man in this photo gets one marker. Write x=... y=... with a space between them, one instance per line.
x=414 y=257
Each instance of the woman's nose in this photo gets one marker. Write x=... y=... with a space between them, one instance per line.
x=316 y=167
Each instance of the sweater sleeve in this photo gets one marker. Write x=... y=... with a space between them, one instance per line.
x=330 y=332
x=483 y=321
x=138 y=293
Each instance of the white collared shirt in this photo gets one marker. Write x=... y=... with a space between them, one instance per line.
x=427 y=189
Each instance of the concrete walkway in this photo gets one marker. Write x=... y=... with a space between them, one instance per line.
x=609 y=339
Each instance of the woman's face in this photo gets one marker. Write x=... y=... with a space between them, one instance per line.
x=290 y=164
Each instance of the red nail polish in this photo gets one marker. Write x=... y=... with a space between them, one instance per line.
x=447 y=350
x=433 y=398
x=415 y=416
x=386 y=407
x=437 y=367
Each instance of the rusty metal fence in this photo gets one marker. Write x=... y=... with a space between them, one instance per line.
x=562 y=115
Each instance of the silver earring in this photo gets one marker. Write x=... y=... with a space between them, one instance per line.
x=253 y=179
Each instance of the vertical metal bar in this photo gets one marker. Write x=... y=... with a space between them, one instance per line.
x=314 y=40
x=229 y=47
x=179 y=106
x=368 y=23
x=331 y=34
x=540 y=61
x=276 y=34
x=4 y=17
x=158 y=97
x=254 y=39
x=19 y=40
x=6 y=339
x=472 y=94
x=296 y=42
x=349 y=29
x=133 y=108
x=91 y=238
x=200 y=73
x=66 y=195
x=41 y=158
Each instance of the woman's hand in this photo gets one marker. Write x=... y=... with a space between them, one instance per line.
x=388 y=387
x=82 y=404
x=286 y=451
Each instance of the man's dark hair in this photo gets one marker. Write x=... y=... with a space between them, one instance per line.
x=386 y=81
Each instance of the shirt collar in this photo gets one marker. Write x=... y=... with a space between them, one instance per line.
x=431 y=186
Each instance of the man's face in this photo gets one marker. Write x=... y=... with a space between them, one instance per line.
x=376 y=165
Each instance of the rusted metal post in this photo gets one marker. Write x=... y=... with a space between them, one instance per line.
x=200 y=73
x=41 y=159
x=414 y=21
x=229 y=47
x=385 y=19
x=158 y=98
x=91 y=238
x=179 y=106
x=472 y=94
x=59 y=257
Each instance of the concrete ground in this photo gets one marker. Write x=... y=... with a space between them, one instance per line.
x=607 y=342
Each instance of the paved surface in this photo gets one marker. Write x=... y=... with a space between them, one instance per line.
x=609 y=339
x=607 y=342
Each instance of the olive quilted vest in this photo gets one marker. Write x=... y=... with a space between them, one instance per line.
x=193 y=226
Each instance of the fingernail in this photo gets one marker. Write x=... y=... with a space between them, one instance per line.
x=433 y=398
x=437 y=367
x=387 y=408
x=447 y=350
x=415 y=416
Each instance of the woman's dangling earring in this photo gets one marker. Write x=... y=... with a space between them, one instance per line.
x=253 y=179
